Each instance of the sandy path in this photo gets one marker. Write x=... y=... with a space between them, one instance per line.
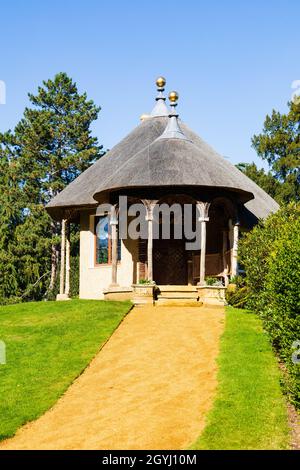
x=150 y=387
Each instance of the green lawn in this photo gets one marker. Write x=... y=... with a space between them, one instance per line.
x=249 y=411
x=48 y=345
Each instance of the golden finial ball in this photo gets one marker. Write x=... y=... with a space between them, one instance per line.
x=160 y=82
x=173 y=96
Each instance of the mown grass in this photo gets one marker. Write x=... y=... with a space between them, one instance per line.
x=249 y=411
x=48 y=344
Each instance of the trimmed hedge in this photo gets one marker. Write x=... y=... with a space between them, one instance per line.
x=270 y=255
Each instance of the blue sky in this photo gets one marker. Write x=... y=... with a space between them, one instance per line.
x=232 y=62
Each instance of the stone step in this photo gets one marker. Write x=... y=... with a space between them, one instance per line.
x=168 y=288
x=178 y=295
x=177 y=302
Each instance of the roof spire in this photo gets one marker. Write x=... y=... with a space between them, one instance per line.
x=160 y=109
x=173 y=130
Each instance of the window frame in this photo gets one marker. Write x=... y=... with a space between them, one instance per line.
x=109 y=245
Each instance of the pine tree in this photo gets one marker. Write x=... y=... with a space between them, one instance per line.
x=51 y=146
x=11 y=215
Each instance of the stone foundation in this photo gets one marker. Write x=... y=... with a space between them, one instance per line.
x=143 y=294
x=118 y=293
x=60 y=297
x=212 y=295
x=146 y=294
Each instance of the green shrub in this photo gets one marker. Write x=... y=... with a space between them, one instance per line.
x=238 y=280
x=281 y=301
x=10 y=300
x=210 y=281
x=237 y=293
x=255 y=248
x=145 y=281
x=238 y=298
x=270 y=255
x=74 y=276
x=213 y=281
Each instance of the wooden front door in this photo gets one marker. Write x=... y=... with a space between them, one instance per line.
x=169 y=262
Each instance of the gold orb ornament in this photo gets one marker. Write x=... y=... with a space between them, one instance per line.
x=173 y=96
x=160 y=82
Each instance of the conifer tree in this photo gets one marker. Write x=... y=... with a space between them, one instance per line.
x=10 y=216
x=50 y=147
x=266 y=180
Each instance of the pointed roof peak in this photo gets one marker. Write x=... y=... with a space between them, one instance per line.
x=160 y=109
x=173 y=129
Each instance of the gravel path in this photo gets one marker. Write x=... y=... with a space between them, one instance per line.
x=150 y=387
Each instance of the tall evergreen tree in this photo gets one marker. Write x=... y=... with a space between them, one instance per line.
x=11 y=215
x=265 y=180
x=279 y=145
x=51 y=146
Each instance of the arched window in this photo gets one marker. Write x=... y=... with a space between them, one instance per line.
x=103 y=240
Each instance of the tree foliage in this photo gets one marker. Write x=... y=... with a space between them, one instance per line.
x=279 y=146
x=50 y=146
x=53 y=139
x=270 y=254
x=264 y=179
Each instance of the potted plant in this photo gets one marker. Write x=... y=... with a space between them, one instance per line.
x=213 y=292
x=143 y=291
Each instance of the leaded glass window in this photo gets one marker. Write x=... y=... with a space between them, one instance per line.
x=103 y=240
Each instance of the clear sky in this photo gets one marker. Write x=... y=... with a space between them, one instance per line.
x=231 y=61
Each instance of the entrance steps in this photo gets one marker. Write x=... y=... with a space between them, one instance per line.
x=185 y=296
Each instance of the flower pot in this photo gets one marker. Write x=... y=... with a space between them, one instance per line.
x=212 y=295
x=143 y=293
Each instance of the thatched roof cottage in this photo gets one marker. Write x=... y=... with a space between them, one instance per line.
x=162 y=162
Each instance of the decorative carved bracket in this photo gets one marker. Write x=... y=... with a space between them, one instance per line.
x=203 y=208
x=113 y=220
x=149 y=204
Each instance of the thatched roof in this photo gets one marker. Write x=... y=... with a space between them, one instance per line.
x=144 y=160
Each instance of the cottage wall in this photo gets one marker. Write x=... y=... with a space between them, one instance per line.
x=93 y=279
